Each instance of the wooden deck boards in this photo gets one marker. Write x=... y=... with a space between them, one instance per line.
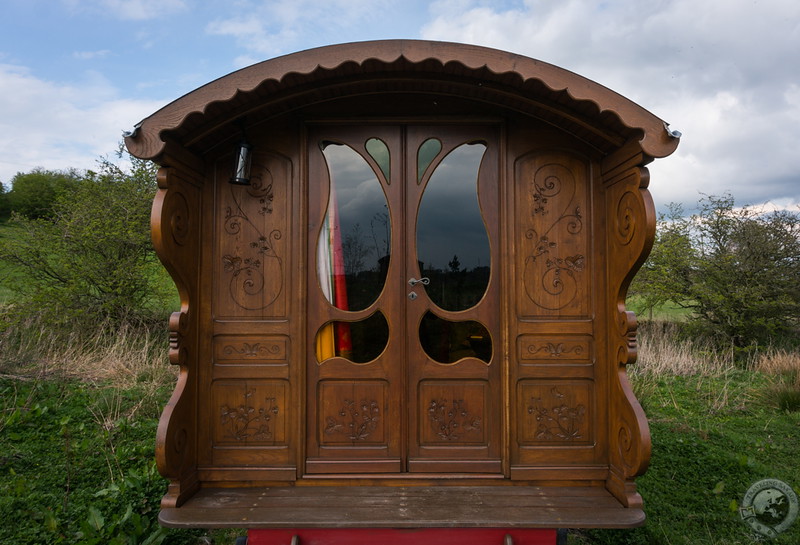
x=403 y=507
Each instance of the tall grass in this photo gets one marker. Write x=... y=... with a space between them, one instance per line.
x=121 y=356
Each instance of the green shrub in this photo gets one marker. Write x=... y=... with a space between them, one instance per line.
x=91 y=261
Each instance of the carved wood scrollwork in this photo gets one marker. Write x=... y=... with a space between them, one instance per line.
x=253 y=220
x=631 y=232
x=551 y=200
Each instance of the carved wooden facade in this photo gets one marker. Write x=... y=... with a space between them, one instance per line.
x=513 y=375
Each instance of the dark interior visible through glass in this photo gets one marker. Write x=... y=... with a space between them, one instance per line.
x=360 y=341
x=452 y=242
x=447 y=341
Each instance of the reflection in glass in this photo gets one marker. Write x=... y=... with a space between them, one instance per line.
x=428 y=151
x=353 y=245
x=445 y=341
x=452 y=242
x=380 y=152
x=359 y=342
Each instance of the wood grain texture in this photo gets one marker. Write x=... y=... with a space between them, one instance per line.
x=404 y=507
x=408 y=437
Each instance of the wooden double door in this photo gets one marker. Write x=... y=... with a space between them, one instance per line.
x=404 y=336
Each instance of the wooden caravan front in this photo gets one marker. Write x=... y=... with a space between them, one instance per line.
x=406 y=308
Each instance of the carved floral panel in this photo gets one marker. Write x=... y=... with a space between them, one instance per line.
x=555 y=412
x=249 y=412
x=553 y=230
x=251 y=222
x=352 y=413
x=453 y=413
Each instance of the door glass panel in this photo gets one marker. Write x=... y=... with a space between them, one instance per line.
x=354 y=242
x=360 y=341
x=428 y=151
x=452 y=242
x=446 y=341
x=380 y=152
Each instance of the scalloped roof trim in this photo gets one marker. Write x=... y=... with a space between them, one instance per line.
x=145 y=142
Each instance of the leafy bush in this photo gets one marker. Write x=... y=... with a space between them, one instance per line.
x=736 y=269
x=34 y=194
x=91 y=261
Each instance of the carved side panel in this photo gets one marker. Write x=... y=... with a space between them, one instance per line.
x=249 y=412
x=555 y=412
x=555 y=349
x=552 y=235
x=175 y=222
x=353 y=413
x=250 y=349
x=251 y=263
x=631 y=229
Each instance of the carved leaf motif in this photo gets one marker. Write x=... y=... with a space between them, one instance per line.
x=256 y=269
x=555 y=419
x=551 y=278
x=452 y=419
x=555 y=350
x=358 y=420
x=245 y=423
x=251 y=350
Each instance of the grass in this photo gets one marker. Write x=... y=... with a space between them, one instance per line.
x=716 y=429
x=78 y=421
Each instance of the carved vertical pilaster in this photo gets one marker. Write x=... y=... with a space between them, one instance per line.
x=175 y=222
x=629 y=236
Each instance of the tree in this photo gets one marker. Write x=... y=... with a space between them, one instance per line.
x=665 y=276
x=737 y=269
x=5 y=206
x=34 y=194
x=91 y=260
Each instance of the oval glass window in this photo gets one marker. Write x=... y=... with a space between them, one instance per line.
x=452 y=242
x=360 y=342
x=446 y=341
x=354 y=242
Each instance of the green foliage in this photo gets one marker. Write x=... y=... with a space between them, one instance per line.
x=736 y=269
x=708 y=449
x=5 y=205
x=34 y=194
x=72 y=472
x=91 y=261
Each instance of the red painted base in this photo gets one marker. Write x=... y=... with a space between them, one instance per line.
x=388 y=536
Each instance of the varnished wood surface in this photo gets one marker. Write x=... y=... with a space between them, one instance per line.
x=403 y=507
x=562 y=194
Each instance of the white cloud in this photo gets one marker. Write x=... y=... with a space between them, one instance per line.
x=723 y=72
x=58 y=126
x=91 y=55
x=268 y=28
x=132 y=10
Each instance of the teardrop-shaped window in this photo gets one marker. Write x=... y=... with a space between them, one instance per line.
x=452 y=242
x=446 y=341
x=360 y=341
x=379 y=151
x=427 y=152
x=354 y=242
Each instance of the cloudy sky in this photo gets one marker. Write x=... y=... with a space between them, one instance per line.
x=726 y=73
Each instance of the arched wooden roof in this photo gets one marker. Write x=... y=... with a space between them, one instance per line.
x=591 y=112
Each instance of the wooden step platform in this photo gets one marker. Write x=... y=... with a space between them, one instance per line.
x=403 y=507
